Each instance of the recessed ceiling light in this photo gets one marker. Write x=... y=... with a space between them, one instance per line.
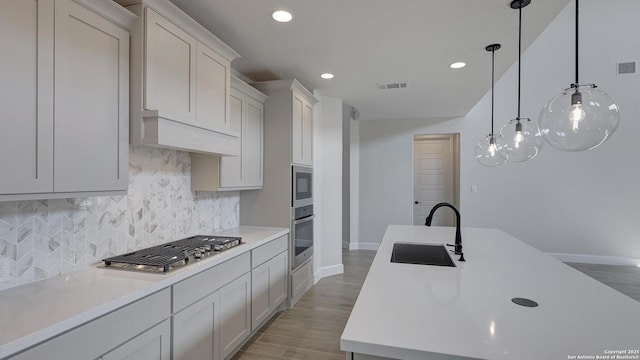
x=327 y=76
x=457 y=65
x=282 y=16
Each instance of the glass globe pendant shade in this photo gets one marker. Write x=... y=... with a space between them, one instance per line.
x=488 y=151
x=522 y=140
x=580 y=118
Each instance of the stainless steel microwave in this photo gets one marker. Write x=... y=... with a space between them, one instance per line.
x=302 y=178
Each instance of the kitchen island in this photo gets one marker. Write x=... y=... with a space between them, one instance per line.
x=407 y=311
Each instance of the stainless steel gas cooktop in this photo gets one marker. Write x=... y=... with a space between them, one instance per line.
x=172 y=255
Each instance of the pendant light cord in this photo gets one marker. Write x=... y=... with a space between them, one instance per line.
x=519 y=54
x=493 y=56
x=577 y=1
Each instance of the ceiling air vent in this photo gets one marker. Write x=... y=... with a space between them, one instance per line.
x=627 y=68
x=391 y=86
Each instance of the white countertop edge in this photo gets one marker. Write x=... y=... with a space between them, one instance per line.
x=46 y=333
x=393 y=352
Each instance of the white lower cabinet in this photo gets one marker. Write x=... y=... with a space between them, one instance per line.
x=153 y=344
x=235 y=314
x=196 y=330
x=268 y=289
x=137 y=331
x=301 y=281
x=207 y=316
x=214 y=327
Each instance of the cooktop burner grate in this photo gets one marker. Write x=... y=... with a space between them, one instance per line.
x=150 y=257
x=166 y=257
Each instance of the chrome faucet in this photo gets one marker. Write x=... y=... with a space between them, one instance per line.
x=458 y=244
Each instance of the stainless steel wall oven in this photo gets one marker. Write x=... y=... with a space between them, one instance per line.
x=301 y=235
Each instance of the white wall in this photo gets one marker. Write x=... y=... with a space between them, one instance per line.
x=354 y=181
x=327 y=197
x=575 y=203
x=347 y=112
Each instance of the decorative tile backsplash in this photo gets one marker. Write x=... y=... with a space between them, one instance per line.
x=45 y=238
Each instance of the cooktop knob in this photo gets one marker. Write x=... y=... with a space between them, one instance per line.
x=218 y=247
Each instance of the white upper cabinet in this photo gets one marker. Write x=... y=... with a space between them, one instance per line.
x=212 y=93
x=64 y=95
x=302 y=130
x=289 y=99
x=244 y=172
x=91 y=150
x=26 y=96
x=180 y=82
x=170 y=69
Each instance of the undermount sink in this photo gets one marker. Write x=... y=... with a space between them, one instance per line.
x=421 y=254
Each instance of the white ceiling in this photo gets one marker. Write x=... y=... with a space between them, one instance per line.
x=370 y=42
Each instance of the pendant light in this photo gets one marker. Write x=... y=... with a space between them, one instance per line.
x=581 y=117
x=487 y=150
x=522 y=138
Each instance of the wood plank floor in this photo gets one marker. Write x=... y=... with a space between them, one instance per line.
x=625 y=279
x=312 y=329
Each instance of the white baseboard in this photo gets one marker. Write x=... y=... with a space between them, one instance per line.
x=596 y=259
x=364 y=246
x=327 y=271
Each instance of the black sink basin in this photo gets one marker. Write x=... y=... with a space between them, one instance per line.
x=421 y=254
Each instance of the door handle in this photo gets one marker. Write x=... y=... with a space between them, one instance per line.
x=416 y=202
x=303 y=220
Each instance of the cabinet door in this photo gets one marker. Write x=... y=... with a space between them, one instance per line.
x=195 y=330
x=307 y=134
x=26 y=96
x=170 y=71
x=213 y=76
x=252 y=143
x=278 y=279
x=260 y=307
x=235 y=314
x=153 y=344
x=231 y=166
x=91 y=103
x=297 y=111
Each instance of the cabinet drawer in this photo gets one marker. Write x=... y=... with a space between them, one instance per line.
x=95 y=338
x=200 y=285
x=301 y=281
x=263 y=253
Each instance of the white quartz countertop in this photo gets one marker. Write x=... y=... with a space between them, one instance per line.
x=35 y=312
x=407 y=311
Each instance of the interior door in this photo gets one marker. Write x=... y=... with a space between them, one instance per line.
x=434 y=178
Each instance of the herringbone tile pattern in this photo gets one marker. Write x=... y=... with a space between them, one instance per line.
x=45 y=238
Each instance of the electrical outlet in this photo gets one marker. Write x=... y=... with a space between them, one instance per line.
x=4 y=269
